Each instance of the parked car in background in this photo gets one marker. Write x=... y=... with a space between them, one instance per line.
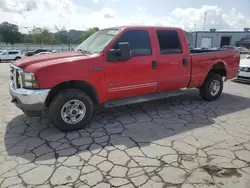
x=201 y=48
x=118 y=66
x=9 y=55
x=243 y=50
x=244 y=70
x=43 y=53
x=31 y=53
x=215 y=48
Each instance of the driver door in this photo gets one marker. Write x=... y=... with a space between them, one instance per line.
x=135 y=76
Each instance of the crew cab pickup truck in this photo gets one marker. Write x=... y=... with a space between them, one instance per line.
x=117 y=66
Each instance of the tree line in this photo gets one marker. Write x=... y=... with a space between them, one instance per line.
x=10 y=34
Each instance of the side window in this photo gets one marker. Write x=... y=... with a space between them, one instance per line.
x=13 y=52
x=169 y=42
x=139 y=41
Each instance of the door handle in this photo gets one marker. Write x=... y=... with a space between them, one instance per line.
x=154 y=64
x=184 y=62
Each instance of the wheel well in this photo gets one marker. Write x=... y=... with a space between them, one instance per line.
x=219 y=68
x=84 y=86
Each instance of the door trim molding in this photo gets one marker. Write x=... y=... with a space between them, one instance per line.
x=152 y=84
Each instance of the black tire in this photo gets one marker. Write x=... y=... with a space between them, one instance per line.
x=32 y=113
x=17 y=58
x=61 y=99
x=205 y=92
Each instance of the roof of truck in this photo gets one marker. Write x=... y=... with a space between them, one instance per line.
x=142 y=27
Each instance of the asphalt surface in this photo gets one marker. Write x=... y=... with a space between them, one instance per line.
x=182 y=142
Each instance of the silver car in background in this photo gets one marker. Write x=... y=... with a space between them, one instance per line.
x=243 y=50
x=244 y=70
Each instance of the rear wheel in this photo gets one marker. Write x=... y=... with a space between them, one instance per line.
x=71 y=109
x=17 y=58
x=212 y=87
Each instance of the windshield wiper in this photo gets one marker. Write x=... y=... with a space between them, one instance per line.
x=84 y=51
x=97 y=52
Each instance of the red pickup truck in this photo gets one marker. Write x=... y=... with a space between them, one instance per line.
x=117 y=66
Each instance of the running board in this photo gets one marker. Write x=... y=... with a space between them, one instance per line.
x=143 y=98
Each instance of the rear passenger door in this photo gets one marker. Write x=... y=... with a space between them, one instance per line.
x=173 y=60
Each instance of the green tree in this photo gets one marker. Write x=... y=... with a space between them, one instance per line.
x=74 y=36
x=42 y=36
x=47 y=37
x=61 y=35
x=88 y=33
x=10 y=33
x=27 y=38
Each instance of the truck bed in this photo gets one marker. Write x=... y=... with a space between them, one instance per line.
x=198 y=51
x=203 y=60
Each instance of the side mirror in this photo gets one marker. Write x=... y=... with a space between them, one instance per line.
x=123 y=52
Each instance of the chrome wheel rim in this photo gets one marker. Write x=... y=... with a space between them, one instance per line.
x=214 y=88
x=73 y=111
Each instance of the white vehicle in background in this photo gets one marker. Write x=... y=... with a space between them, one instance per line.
x=243 y=50
x=244 y=70
x=48 y=52
x=42 y=53
x=10 y=55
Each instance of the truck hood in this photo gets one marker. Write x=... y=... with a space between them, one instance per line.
x=47 y=58
x=245 y=63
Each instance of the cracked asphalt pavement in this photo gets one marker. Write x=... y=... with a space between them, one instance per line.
x=181 y=142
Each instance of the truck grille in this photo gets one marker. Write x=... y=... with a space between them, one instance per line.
x=15 y=76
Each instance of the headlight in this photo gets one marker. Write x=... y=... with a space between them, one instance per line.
x=29 y=80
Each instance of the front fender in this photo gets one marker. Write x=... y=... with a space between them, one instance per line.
x=53 y=75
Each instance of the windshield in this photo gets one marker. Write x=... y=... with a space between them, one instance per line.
x=3 y=52
x=97 y=42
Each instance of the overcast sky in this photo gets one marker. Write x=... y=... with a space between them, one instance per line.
x=82 y=14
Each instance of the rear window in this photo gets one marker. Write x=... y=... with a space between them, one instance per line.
x=169 y=42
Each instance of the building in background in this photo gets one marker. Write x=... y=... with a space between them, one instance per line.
x=213 y=38
x=189 y=37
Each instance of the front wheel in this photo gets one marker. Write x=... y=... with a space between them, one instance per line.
x=212 y=87
x=71 y=110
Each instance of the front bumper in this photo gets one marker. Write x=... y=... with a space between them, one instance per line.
x=243 y=76
x=27 y=99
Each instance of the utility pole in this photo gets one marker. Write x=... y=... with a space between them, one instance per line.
x=34 y=27
x=204 y=27
x=68 y=37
